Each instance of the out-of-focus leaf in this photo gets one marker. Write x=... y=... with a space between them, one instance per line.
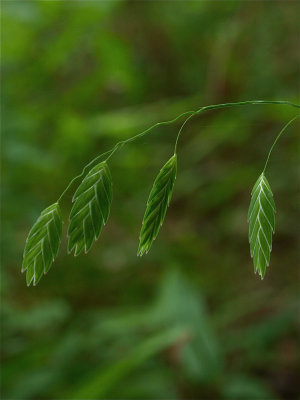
x=178 y=302
x=241 y=387
x=101 y=382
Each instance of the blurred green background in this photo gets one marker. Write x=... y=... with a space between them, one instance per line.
x=190 y=320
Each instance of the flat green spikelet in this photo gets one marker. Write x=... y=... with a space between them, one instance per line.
x=42 y=244
x=157 y=204
x=91 y=208
x=261 y=218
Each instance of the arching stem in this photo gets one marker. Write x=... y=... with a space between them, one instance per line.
x=181 y=128
x=190 y=114
x=277 y=138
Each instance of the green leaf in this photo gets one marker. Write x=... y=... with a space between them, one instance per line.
x=157 y=204
x=42 y=244
x=261 y=218
x=91 y=208
x=101 y=382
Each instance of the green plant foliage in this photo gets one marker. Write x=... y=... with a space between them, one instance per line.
x=93 y=198
x=261 y=218
x=103 y=381
x=91 y=208
x=42 y=244
x=157 y=204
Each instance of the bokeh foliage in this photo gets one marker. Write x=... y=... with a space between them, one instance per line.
x=190 y=319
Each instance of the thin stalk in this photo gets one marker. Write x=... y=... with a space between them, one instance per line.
x=181 y=128
x=120 y=144
x=277 y=138
x=123 y=142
